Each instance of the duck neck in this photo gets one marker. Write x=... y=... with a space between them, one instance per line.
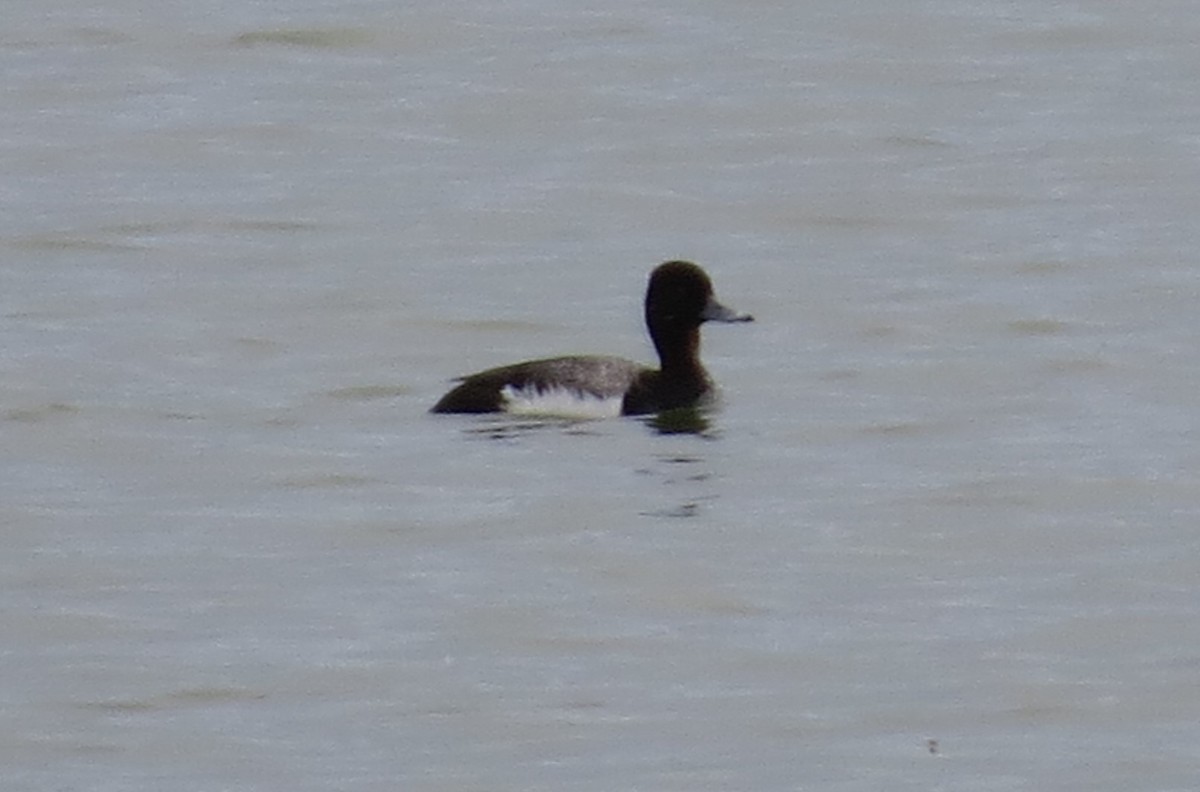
x=679 y=351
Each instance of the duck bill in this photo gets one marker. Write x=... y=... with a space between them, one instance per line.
x=715 y=312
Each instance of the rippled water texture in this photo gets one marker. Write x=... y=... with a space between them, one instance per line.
x=941 y=535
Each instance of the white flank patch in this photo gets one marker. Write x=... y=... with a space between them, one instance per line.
x=560 y=402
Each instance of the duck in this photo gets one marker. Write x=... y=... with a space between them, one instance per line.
x=679 y=298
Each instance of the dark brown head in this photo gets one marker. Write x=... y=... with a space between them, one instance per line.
x=678 y=300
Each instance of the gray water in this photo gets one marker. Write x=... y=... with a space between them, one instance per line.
x=941 y=535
